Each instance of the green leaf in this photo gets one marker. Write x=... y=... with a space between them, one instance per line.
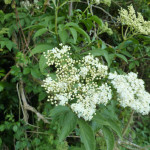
x=15 y=128
x=34 y=27
x=114 y=125
x=124 y=44
x=42 y=64
x=102 y=43
x=122 y=57
x=35 y=72
x=58 y=110
x=109 y=137
x=126 y=53
x=87 y=135
x=26 y=71
x=74 y=34
x=9 y=45
x=99 y=119
x=97 y=20
x=7 y=1
x=1 y=86
x=53 y=75
x=42 y=96
x=80 y=30
x=68 y=125
x=77 y=148
x=41 y=48
x=107 y=121
x=66 y=118
x=40 y=32
x=132 y=65
x=63 y=35
x=2 y=127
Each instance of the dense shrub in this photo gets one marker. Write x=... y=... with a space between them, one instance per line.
x=72 y=75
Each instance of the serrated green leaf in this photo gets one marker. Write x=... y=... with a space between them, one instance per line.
x=68 y=125
x=87 y=135
x=9 y=45
x=97 y=20
x=101 y=120
x=102 y=43
x=35 y=72
x=34 y=27
x=88 y=23
x=124 y=44
x=114 y=125
x=66 y=118
x=63 y=35
x=78 y=29
x=58 y=110
x=122 y=57
x=42 y=64
x=42 y=96
x=126 y=53
x=131 y=65
x=40 y=32
x=41 y=48
x=74 y=34
x=109 y=137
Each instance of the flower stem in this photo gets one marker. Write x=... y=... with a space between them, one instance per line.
x=56 y=16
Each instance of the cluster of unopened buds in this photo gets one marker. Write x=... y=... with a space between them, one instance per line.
x=84 y=84
x=135 y=23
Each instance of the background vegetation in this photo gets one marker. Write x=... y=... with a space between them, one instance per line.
x=27 y=119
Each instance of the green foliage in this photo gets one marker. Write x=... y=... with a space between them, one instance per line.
x=28 y=31
x=87 y=135
x=109 y=138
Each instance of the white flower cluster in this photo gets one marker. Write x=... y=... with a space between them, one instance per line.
x=131 y=92
x=88 y=96
x=82 y=85
x=76 y=82
x=136 y=23
x=27 y=5
x=106 y=2
x=91 y=69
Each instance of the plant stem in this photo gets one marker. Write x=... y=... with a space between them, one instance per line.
x=125 y=34
x=70 y=8
x=56 y=16
x=122 y=33
x=128 y=124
